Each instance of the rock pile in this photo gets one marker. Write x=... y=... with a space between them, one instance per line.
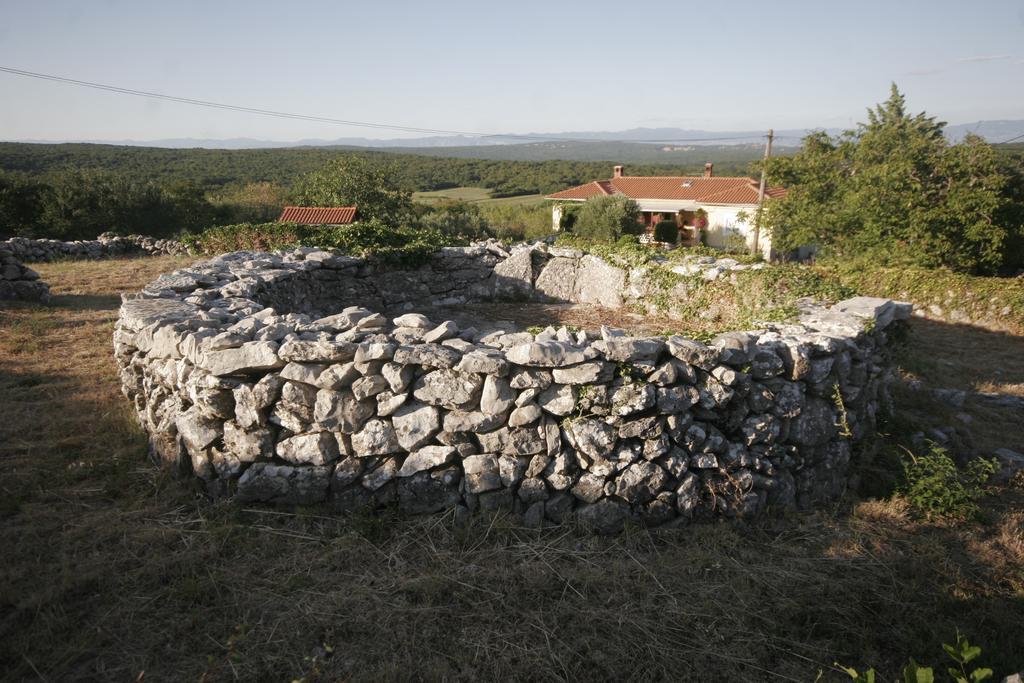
x=712 y=268
x=274 y=377
x=105 y=246
x=19 y=282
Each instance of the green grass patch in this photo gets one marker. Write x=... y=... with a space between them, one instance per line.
x=454 y=194
x=526 y=200
x=477 y=195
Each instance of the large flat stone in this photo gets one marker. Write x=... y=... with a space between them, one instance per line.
x=247 y=358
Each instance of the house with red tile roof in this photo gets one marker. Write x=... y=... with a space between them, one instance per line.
x=730 y=204
x=318 y=215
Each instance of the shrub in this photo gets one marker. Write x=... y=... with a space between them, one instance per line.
x=666 y=231
x=608 y=218
x=370 y=239
x=370 y=185
x=518 y=221
x=961 y=653
x=456 y=218
x=996 y=300
x=895 y=189
x=249 y=203
x=245 y=237
x=935 y=487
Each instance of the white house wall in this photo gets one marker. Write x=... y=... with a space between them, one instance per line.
x=726 y=230
x=666 y=205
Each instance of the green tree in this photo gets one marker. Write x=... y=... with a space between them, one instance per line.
x=608 y=218
x=896 y=190
x=1012 y=213
x=371 y=186
x=20 y=202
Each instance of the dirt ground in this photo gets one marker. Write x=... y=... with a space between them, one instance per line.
x=972 y=359
x=113 y=570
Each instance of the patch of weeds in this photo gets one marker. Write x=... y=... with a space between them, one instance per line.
x=630 y=373
x=582 y=405
x=936 y=488
x=374 y=240
x=537 y=329
x=664 y=282
x=961 y=653
x=844 y=424
x=626 y=251
x=977 y=297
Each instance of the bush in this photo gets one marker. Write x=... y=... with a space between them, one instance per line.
x=935 y=487
x=457 y=218
x=371 y=186
x=518 y=221
x=961 y=653
x=896 y=190
x=369 y=239
x=608 y=218
x=666 y=231
x=993 y=300
x=249 y=203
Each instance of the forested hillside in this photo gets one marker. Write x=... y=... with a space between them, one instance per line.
x=80 y=190
x=419 y=170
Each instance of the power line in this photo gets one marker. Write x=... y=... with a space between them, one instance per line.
x=1011 y=139
x=330 y=120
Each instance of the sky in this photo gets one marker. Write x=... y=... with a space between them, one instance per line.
x=493 y=67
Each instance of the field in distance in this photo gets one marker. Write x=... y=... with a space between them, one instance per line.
x=476 y=195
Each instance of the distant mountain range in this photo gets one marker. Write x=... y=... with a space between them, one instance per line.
x=993 y=131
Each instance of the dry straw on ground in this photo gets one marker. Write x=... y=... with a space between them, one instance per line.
x=111 y=569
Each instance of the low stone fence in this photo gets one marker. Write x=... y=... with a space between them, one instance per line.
x=19 y=282
x=105 y=246
x=275 y=378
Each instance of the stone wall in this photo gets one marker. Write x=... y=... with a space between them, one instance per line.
x=19 y=282
x=275 y=378
x=105 y=246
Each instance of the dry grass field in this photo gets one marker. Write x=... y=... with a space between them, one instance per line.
x=112 y=570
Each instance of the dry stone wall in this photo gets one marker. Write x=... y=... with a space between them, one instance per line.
x=19 y=282
x=105 y=246
x=276 y=378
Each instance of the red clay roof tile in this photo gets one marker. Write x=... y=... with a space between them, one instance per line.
x=318 y=215
x=714 y=190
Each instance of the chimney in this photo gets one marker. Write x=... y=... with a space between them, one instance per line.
x=708 y=169
x=617 y=172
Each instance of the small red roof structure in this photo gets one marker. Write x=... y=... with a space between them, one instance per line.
x=318 y=215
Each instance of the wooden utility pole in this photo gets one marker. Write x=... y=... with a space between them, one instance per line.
x=760 y=192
